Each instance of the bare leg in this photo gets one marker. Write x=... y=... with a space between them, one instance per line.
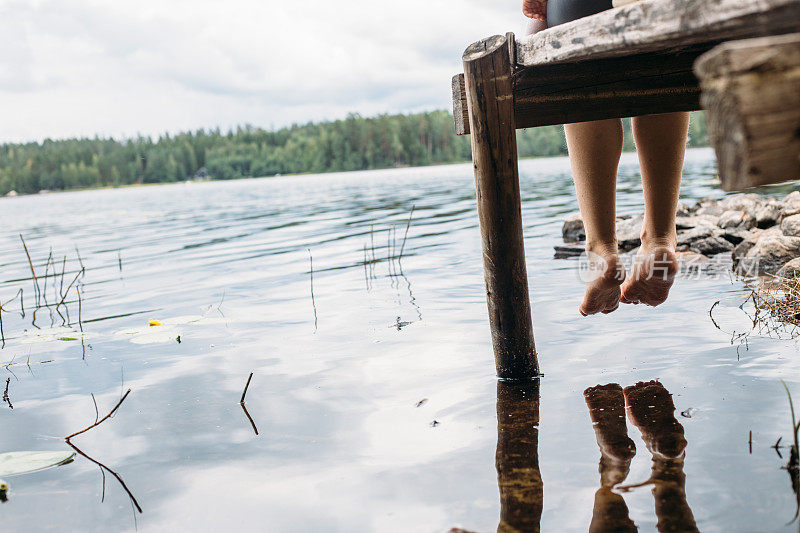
x=660 y=144
x=594 y=151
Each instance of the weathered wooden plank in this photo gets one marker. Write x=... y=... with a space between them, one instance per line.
x=751 y=91
x=460 y=112
x=595 y=90
x=657 y=25
x=490 y=101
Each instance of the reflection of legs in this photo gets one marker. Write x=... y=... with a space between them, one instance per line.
x=607 y=411
x=517 y=457
x=650 y=408
x=594 y=151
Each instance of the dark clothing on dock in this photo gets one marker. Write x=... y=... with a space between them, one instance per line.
x=561 y=11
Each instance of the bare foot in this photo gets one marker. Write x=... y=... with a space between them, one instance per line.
x=604 y=276
x=653 y=274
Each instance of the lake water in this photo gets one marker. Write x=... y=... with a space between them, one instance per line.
x=376 y=402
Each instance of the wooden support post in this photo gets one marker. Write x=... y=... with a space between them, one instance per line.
x=488 y=76
x=751 y=92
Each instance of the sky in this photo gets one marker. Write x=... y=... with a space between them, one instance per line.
x=127 y=67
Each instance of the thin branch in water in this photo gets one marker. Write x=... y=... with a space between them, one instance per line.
x=405 y=236
x=33 y=272
x=80 y=307
x=250 y=418
x=109 y=415
x=241 y=402
x=107 y=469
x=96 y=412
x=47 y=273
x=119 y=259
x=80 y=261
x=63 y=271
x=313 y=301
x=2 y=333
x=6 y=398
x=69 y=287
x=247 y=385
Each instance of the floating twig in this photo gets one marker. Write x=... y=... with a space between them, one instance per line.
x=247 y=385
x=97 y=423
x=107 y=469
x=6 y=398
x=313 y=301
x=405 y=236
x=241 y=402
x=33 y=272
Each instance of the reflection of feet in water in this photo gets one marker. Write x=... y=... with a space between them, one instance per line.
x=607 y=410
x=650 y=408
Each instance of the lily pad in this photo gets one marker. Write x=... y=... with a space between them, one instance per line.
x=13 y=463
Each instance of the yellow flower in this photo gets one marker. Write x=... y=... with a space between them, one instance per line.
x=154 y=322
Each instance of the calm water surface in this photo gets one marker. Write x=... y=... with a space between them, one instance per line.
x=345 y=441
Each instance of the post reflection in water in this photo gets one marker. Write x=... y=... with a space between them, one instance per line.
x=517 y=457
x=649 y=407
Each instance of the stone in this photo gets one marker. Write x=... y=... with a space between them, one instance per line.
x=790 y=226
x=743 y=247
x=687 y=238
x=769 y=254
x=629 y=232
x=768 y=214
x=736 y=219
x=790 y=270
x=736 y=235
x=711 y=245
x=741 y=202
x=562 y=251
x=691 y=221
x=683 y=210
x=573 y=230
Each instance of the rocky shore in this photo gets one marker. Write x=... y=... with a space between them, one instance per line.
x=753 y=234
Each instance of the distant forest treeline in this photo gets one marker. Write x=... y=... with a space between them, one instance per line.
x=355 y=143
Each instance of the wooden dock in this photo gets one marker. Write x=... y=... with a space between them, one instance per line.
x=738 y=59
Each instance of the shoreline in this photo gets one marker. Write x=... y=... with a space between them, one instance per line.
x=210 y=180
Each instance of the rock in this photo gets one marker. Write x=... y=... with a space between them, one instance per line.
x=737 y=235
x=736 y=219
x=790 y=270
x=710 y=208
x=741 y=202
x=792 y=198
x=683 y=210
x=790 y=226
x=691 y=221
x=11 y=194
x=743 y=247
x=768 y=214
x=562 y=251
x=573 y=230
x=769 y=254
x=629 y=232
x=711 y=245
x=687 y=238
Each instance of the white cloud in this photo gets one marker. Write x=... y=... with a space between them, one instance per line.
x=86 y=67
